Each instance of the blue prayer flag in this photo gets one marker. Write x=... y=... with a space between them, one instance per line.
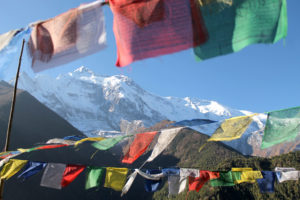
x=170 y=171
x=266 y=184
x=31 y=169
x=152 y=185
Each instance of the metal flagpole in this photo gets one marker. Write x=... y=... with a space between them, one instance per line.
x=11 y=115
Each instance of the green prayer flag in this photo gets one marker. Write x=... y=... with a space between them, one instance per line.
x=109 y=142
x=281 y=126
x=231 y=27
x=225 y=179
x=236 y=176
x=93 y=177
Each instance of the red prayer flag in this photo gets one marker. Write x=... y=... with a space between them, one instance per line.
x=71 y=172
x=138 y=146
x=149 y=28
x=196 y=183
x=51 y=146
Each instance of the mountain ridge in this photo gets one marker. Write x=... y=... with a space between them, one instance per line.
x=112 y=105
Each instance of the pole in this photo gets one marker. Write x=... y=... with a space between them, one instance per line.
x=11 y=115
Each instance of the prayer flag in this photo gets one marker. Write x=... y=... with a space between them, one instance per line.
x=128 y=184
x=138 y=146
x=241 y=169
x=115 y=178
x=74 y=34
x=70 y=173
x=95 y=139
x=174 y=184
x=184 y=174
x=153 y=185
x=193 y=122
x=52 y=175
x=165 y=138
x=225 y=179
x=233 y=26
x=232 y=128
x=170 y=171
x=286 y=174
x=249 y=176
x=109 y=142
x=93 y=177
x=281 y=126
x=196 y=183
x=11 y=168
x=151 y=28
x=5 y=38
x=74 y=137
x=266 y=184
x=10 y=48
x=31 y=169
x=60 y=141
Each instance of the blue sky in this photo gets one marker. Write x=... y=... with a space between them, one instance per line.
x=259 y=78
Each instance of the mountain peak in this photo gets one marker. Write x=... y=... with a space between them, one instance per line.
x=83 y=71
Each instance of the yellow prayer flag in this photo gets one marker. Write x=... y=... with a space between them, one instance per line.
x=241 y=169
x=232 y=128
x=11 y=168
x=93 y=139
x=115 y=178
x=23 y=150
x=250 y=176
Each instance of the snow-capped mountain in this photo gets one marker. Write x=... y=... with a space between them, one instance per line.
x=110 y=105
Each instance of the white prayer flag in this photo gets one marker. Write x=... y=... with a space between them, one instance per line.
x=74 y=34
x=165 y=138
x=52 y=175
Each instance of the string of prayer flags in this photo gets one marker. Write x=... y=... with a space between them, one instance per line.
x=145 y=29
x=70 y=173
x=232 y=27
x=71 y=35
x=93 y=177
x=286 y=174
x=52 y=175
x=115 y=178
x=31 y=169
x=196 y=183
x=95 y=139
x=6 y=38
x=165 y=138
x=153 y=185
x=281 y=126
x=232 y=128
x=138 y=146
x=266 y=184
x=11 y=168
x=109 y=142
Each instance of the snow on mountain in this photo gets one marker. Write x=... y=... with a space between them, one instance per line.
x=110 y=105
